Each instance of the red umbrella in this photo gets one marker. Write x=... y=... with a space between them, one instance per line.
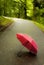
x=28 y=42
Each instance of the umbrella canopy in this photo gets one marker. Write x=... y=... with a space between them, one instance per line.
x=28 y=42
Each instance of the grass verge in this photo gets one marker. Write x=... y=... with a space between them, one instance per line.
x=41 y=26
x=5 y=22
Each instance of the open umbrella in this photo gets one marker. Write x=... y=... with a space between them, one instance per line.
x=28 y=42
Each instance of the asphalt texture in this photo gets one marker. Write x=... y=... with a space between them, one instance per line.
x=11 y=50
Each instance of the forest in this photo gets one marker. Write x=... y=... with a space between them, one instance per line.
x=26 y=9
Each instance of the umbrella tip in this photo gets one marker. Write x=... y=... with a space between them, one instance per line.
x=17 y=35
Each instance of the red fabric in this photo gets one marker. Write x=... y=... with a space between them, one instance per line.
x=28 y=42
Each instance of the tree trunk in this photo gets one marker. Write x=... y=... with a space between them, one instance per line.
x=25 y=10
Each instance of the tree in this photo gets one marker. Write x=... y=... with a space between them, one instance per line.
x=38 y=10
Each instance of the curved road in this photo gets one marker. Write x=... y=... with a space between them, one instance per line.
x=11 y=50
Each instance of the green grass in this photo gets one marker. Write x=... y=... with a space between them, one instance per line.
x=41 y=26
x=5 y=21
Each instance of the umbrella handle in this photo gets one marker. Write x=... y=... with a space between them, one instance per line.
x=19 y=54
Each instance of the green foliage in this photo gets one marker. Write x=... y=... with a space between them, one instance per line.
x=16 y=8
x=38 y=11
x=31 y=9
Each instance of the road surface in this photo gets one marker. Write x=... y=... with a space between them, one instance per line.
x=11 y=50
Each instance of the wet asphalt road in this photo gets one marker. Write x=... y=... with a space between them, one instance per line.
x=11 y=50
